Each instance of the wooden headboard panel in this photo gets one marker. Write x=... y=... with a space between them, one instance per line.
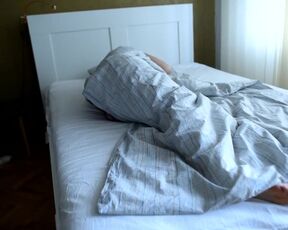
x=66 y=45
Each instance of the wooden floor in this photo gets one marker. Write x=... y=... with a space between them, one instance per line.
x=26 y=193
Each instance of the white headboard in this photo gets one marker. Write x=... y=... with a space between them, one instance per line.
x=66 y=45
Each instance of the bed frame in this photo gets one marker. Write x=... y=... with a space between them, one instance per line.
x=65 y=45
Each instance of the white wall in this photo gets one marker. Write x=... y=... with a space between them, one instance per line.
x=283 y=75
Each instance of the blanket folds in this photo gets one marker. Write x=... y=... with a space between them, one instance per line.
x=194 y=146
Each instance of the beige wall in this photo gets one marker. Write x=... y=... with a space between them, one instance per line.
x=15 y=56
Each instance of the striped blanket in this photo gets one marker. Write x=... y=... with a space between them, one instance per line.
x=193 y=146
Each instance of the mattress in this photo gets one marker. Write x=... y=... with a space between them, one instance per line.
x=81 y=141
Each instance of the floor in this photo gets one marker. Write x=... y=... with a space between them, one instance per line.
x=26 y=193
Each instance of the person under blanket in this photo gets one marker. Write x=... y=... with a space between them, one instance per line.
x=138 y=105
x=277 y=194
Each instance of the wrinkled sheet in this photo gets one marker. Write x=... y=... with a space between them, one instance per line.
x=195 y=152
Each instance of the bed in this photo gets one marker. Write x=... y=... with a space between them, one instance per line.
x=81 y=139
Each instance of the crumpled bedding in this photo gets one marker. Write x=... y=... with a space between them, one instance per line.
x=194 y=146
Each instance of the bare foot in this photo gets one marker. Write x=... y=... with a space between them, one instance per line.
x=277 y=194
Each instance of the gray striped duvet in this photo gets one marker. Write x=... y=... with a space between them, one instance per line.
x=194 y=146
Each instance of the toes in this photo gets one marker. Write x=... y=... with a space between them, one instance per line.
x=283 y=189
x=277 y=194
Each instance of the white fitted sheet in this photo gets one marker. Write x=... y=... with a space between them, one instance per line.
x=81 y=141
